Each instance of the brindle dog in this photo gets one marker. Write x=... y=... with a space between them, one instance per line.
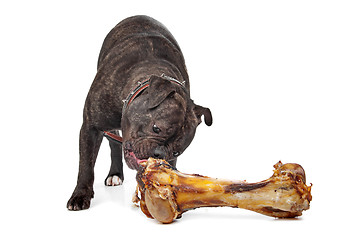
x=142 y=89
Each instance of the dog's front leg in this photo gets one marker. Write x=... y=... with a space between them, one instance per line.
x=90 y=141
x=116 y=174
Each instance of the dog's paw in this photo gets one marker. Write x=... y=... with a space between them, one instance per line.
x=81 y=202
x=113 y=181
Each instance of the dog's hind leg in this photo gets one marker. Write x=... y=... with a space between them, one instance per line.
x=116 y=175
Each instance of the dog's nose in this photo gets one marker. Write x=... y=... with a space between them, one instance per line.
x=159 y=153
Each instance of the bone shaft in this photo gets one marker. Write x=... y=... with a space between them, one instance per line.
x=264 y=197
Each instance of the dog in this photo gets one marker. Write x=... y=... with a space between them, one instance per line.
x=141 y=89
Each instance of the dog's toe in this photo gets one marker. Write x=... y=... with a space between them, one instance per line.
x=113 y=181
x=78 y=203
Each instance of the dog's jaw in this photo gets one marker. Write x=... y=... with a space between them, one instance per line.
x=131 y=160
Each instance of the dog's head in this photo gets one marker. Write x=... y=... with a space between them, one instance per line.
x=160 y=122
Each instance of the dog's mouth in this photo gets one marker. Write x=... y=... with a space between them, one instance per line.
x=134 y=162
x=131 y=160
x=136 y=154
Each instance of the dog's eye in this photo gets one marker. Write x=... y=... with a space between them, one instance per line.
x=176 y=154
x=156 y=129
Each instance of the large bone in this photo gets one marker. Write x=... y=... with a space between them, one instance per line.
x=166 y=193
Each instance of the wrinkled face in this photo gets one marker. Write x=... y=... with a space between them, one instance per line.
x=160 y=123
x=161 y=132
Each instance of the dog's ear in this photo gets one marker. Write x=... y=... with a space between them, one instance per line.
x=159 y=90
x=199 y=111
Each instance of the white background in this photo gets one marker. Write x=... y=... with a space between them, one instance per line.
x=282 y=81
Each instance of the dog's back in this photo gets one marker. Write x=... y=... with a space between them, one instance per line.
x=138 y=31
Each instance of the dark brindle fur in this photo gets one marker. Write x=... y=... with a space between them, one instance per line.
x=160 y=122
